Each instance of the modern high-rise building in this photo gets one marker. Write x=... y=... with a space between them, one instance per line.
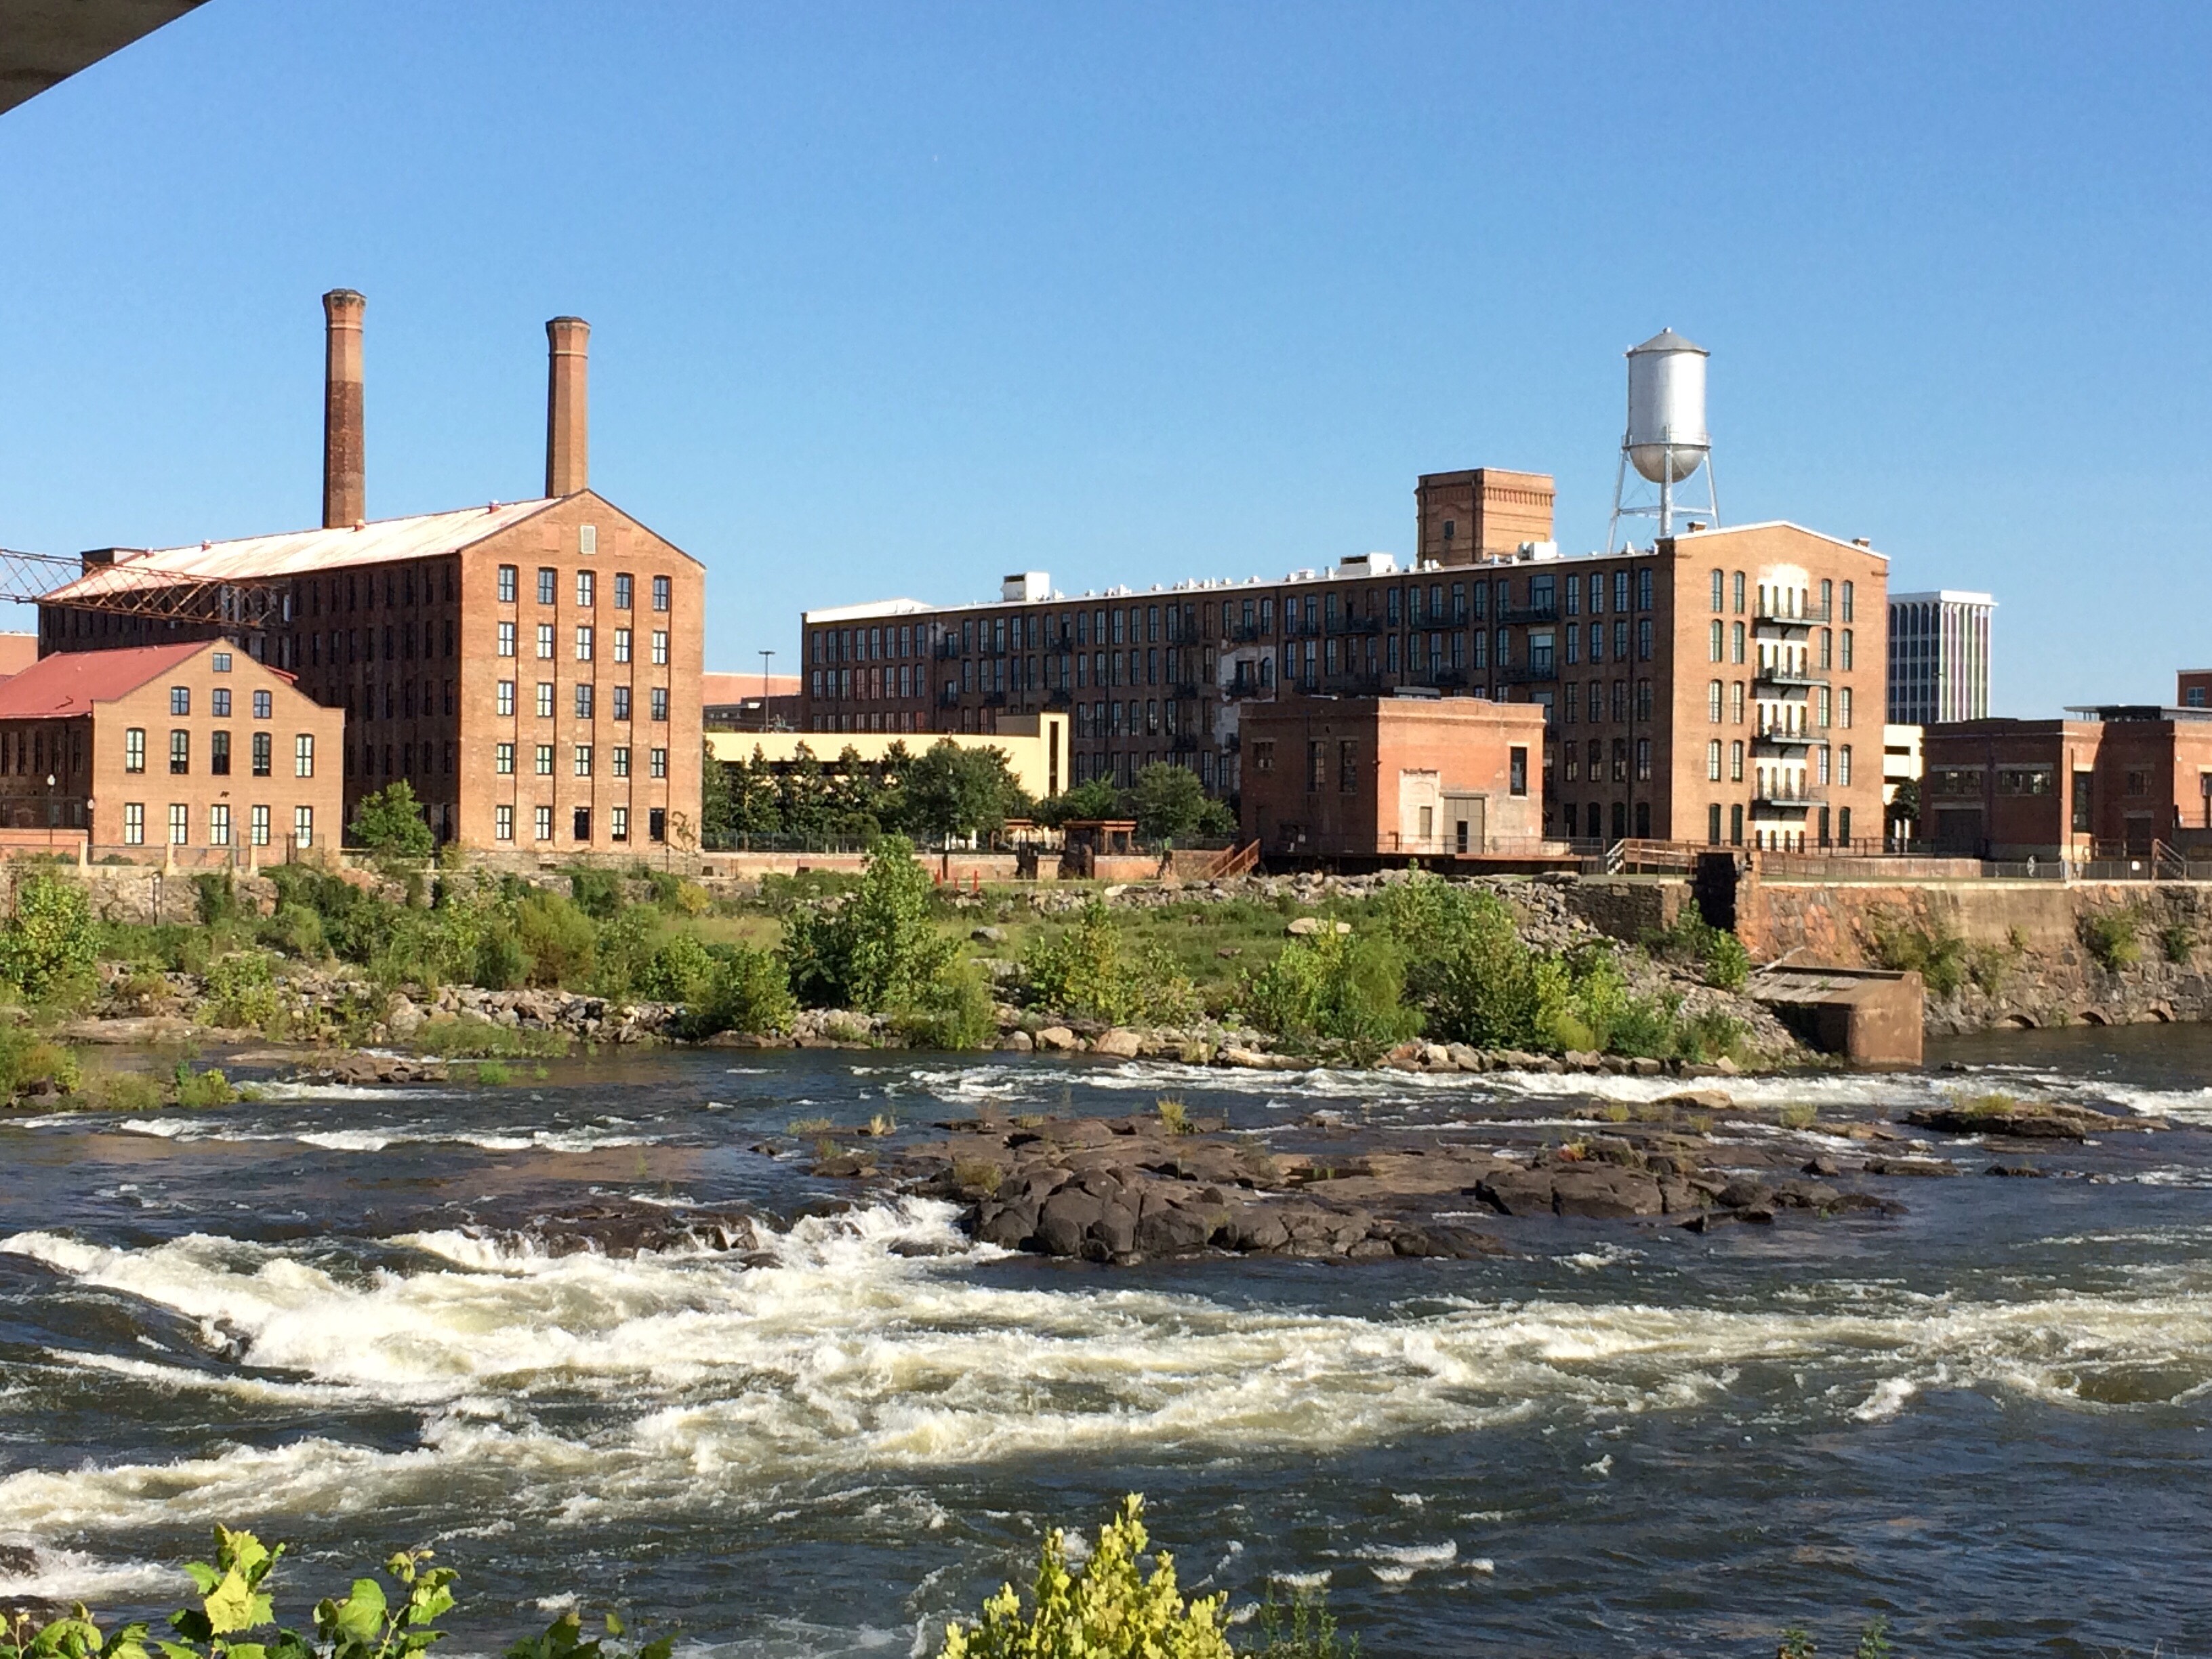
x=1939 y=657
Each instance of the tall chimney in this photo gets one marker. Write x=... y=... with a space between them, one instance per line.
x=345 y=491
x=568 y=423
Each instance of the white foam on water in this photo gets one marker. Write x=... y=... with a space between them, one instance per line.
x=521 y=1138
x=867 y=1342
x=68 y=1576
x=1398 y=1565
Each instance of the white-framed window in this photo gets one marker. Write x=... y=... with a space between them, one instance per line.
x=542 y=821
x=134 y=751
x=220 y=661
x=506 y=698
x=622 y=590
x=502 y=822
x=583 y=760
x=621 y=702
x=303 y=755
x=660 y=593
x=265 y=706
x=584 y=590
x=622 y=645
x=657 y=762
x=660 y=647
x=219 y=825
x=620 y=760
x=1844 y=708
x=257 y=825
x=618 y=822
x=545 y=700
x=506 y=638
x=546 y=641
x=303 y=826
x=583 y=645
x=584 y=700
x=1843 y=760
x=659 y=696
x=219 y=702
x=180 y=699
x=1713 y=760
x=502 y=759
x=263 y=747
x=507 y=576
x=180 y=824
x=134 y=822
x=548 y=582
x=544 y=760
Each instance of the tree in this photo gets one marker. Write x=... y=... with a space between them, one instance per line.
x=391 y=820
x=753 y=798
x=1905 y=808
x=876 y=950
x=1096 y=797
x=718 y=803
x=952 y=791
x=802 y=795
x=49 y=945
x=1169 y=801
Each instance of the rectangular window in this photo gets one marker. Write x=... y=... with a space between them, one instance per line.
x=218 y=753
x=507 y=582
x=263 y=746
x=1717 y=590
x=583 y=760
x=265 y=706
x=660 y=647
x=506 y=638
x=584 y=702
x=544 y=759
x=622 y=645
x=1735 y=704
x=502 y=823
x=220 y=663
x=1517 y=774
x=1735 y=761
x=1847 y=650
x=548 y=585
x=580 y=824
x=180 y=699
x=134 y=822
x=622 y=590
x=180 y=824
x=546 y=641
x=219 y=702
x=583 y=645
x=659 y=695
x=656 y=824
x=620 y=760
x=258 y=826
x=621 y=702
x=1844 y=708
x=661 y=593
x=545 y=700
x=219 y=825
x=1644 y=635
x=181 y=752
x=1713 y=760
x=502 y=759
x=303 y=755
x=584 y=589
x=541 y=822
x=506 y=698
x=134 y=749
x=1848 y=593
x=618 y=823
x=1347 y=768
x=1644 y=760
x=657 y=762
x=1844 y=754
x=1738 y=594
x=1713 y=701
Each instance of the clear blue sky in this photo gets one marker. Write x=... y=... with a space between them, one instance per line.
x=893 y=299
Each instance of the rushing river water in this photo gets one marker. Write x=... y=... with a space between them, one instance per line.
x=1986 y=1417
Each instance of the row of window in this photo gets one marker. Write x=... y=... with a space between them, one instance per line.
x=656 y=760
x=584 y=700
x=351 y=645
x=1776 y=600
x=1830 y=706
x=1729 y=647
x=587 y=588
x=180 y=697
x=180 y=753
x=585 y=643
x=579 y=823
x=219 y=825
x=1821 y=754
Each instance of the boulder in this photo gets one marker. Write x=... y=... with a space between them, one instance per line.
x=1517 y=1192
x=1057 y=1039
x=1067 y=1215
x=405 y=1020
x=1118 y=1042
x=1604 y=1193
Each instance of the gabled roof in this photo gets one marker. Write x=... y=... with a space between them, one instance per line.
x=299 y=552
x=69 y=681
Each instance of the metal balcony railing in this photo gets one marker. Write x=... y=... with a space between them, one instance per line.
x=1790 y=679
x=1526 y=673
x=1529 y=613
x=1766 y=616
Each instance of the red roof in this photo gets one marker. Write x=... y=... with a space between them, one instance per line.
x=69 y=681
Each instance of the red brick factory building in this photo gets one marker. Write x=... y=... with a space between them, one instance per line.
x=532 y=668
x=1723 y=685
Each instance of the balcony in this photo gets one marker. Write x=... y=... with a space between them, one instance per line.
x=1526 y=673
x=1785 y=680
x=1245 y=633
x=1241 y=688
x=1769 y=623
x=1355 y=625
x=948 y=698
x=948 y=649
x=1512 y=614
x=1785 y=798
x=1779 y=740
x=1357 y=684
x=1448 y=678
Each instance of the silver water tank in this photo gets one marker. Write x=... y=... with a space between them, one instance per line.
x=1667 y=407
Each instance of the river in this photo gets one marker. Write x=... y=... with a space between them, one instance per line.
x=1985 y=1418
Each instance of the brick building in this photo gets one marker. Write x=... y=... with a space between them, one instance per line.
x=2109 y=783
x=532 y=668
x=1723 y=686
x=1332 y=777
x=193 y=745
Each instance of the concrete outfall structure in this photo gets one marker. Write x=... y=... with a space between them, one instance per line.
x=532 y=668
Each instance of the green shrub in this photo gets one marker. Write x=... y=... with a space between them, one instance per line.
x=558 y=938
x=491 y=1072
x=2112 y=937
x=501 y=963
x=676 y=970
x=1175 y=1116
x=27 y=1059
x=1718 y=955
x=471 y=1037
x=1086 y=971
x=197 y=1091
x=124 y=1091
x=1302 y=1629
x=741 y=990
x=215 y=897
x=241 y=991
x=390 y=821
x=954 y=1011
x=1336 y=987
x=2177 y=942
x=1108 y=1608
x=1933 y=951
x=47 y=946
x=875 y=950
x=626 y=943
x=297 y=932
x=597 y=893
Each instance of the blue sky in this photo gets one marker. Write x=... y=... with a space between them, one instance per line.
x=893 y=299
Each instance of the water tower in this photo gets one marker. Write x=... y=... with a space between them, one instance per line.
x=1666 y=440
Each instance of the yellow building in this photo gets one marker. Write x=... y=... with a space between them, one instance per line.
x=1034 y=745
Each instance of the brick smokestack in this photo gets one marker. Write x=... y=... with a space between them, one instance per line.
x=567 y=422
x=345 y=490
